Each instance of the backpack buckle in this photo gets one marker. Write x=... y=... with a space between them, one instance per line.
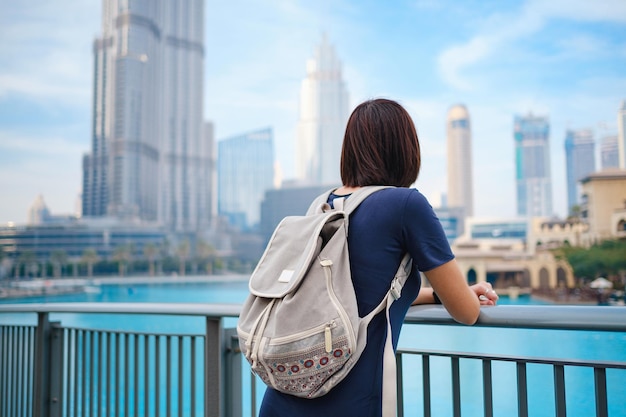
x=396 y=289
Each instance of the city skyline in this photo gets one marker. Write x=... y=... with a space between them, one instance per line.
x=562 y=59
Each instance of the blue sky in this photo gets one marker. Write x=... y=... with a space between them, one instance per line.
x=562 y=59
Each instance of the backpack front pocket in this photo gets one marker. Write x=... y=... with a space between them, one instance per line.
x=302 y=362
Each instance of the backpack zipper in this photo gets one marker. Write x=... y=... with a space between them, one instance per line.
x=326 y=328
x=326 y=264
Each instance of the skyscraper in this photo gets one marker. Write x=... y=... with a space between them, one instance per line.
x=621 y=134
x=580 y=161
x=150 y=159
x=609 y=153
x=532 y=166
x=323 y=116
x=459 y=150
x=245 y=171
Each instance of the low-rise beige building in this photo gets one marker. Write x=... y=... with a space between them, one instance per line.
x=604 y=206
x=519 y=252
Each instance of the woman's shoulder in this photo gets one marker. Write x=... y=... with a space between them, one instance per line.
x=399 y=196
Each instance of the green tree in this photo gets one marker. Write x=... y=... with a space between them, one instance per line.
x=28 y=260
x=90 y=258
x=205 y=253
x=151 y=251
x=182 y=252
x=123 y=256
x=575 y=213
x=607 y=258
x=58 y=258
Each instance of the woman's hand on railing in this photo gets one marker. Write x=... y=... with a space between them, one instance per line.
x=485 y=293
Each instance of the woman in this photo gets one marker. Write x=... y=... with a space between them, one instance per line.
x=381 y=147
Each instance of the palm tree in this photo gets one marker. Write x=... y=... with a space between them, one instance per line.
x=205 y=252
x=90 y=257
x=122 y=255
x=150 y=251
x=58 y=258
x=182 y=251
x=29 y=261
x=5 y=264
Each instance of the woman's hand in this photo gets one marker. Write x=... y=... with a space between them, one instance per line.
x=485 y=293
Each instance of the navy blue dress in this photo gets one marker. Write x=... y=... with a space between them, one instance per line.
x=382 y=229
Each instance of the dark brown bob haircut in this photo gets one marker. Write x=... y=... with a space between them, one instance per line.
x=380 y=146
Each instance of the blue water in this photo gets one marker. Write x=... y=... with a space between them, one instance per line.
x=533 y=343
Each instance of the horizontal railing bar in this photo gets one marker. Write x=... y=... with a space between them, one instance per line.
x=175 y=309
x=559 y=317
x=509 y=358
x=133 y=332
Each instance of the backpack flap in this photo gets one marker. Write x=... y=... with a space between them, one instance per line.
x=296 y=242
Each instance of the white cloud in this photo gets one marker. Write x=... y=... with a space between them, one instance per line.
x=48 y=55
x=46 y=147
x=50 y=166
x=580 y=10
x=454 y=59
x=499 y=32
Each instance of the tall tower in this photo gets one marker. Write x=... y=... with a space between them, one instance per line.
x=324 y=111
x=532 y=166
x=609 y=153
x=580 y=162
x=241 y=191
x=459 y=150
x=149 y=158
x=621 y=135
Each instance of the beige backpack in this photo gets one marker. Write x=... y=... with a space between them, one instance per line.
x=299 y=327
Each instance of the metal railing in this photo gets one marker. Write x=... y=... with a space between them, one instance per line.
x=51 y=370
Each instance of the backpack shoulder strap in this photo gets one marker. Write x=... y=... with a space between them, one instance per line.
x=347 y=205
x=320 y=204
x=356 y=198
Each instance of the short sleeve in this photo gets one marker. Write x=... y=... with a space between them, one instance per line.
x=423 y=234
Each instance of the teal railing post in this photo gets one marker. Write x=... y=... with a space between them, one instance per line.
x=41 y=389
x=213 y=369
x=48 y=377
x=56 y=370
x=233 y=369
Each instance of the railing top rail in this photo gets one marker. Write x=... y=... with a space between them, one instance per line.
x=555 y=317
x=175 y=309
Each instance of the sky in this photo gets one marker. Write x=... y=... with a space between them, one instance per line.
x=562 y=59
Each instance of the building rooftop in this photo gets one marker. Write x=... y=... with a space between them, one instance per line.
x=609 y=174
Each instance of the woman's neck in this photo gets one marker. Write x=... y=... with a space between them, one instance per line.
x=345 y=190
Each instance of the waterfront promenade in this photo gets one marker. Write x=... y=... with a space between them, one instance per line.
x=40 y=287
x=11 y=288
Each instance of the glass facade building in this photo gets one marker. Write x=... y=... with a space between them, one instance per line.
x=290 y=200
x=150 y=158
x=74 y=238
x=532 y=166
x=245 y=171
x=580 y=161
x=621 y=134
x=609 y=153
x=452 y=220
